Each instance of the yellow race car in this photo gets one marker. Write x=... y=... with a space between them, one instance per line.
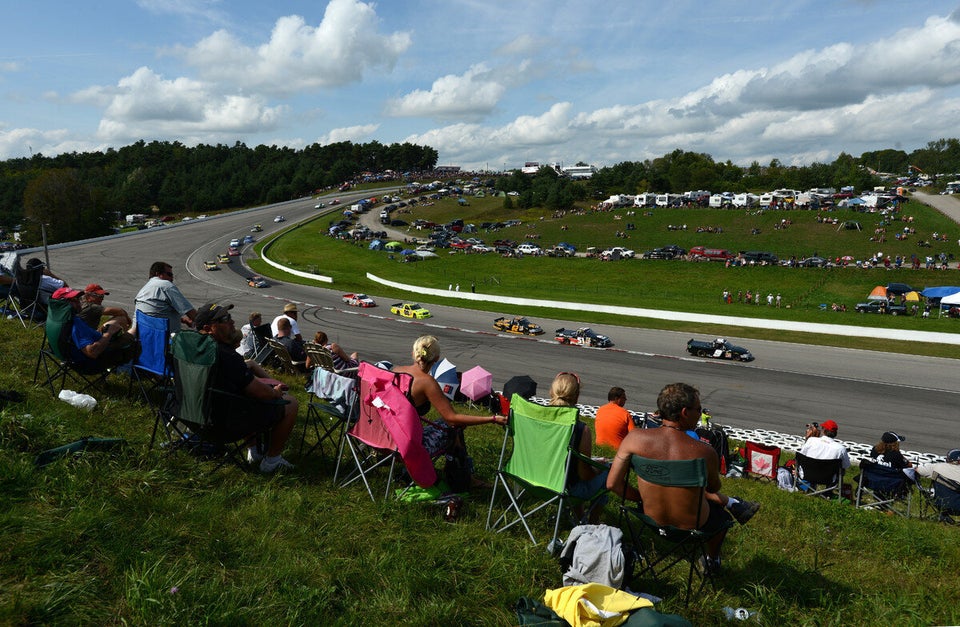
x=223 y=258
x=518 y=325
x=410 y=310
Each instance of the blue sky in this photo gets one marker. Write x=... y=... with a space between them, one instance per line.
x=488 y=83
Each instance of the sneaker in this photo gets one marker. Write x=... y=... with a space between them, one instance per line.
x=267 y=466
x=254 y=456
x=744 y=510
x=710 y=565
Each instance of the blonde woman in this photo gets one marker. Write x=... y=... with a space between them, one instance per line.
x=425 y=393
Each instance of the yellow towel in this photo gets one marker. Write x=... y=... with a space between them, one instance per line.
x=593 y=605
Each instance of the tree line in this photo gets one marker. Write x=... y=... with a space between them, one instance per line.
x=79 y=195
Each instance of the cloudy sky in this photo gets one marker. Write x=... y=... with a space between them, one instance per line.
x=488 y=83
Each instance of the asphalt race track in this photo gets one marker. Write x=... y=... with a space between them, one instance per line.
x=787 y=386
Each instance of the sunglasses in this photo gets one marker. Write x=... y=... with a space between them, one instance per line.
x=572 y=374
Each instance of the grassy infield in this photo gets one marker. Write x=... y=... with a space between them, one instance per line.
x=146 y=538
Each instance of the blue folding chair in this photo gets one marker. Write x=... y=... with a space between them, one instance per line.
x=152 y=371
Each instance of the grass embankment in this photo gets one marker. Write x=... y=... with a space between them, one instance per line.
x=666 y=285
x=147 y=538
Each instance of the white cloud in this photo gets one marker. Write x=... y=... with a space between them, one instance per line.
x=298 y=56
x=146 y=105
x=359 y=133
x=474 y=93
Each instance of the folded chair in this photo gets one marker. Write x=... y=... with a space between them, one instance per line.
x=387 y=430
x=55 y=355
x=283 y=359
x=660 y=547
x=534 y=475
x=152 y=371
x=820 y=477
x=944 y=499
x=23 y=298
x=762 y=460
x=261 y=348
x=190 y=415
x=884 y=488
x=332 y=407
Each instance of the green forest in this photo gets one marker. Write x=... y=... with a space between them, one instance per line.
x=80 y=195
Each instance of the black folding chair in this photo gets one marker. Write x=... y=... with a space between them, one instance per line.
x=884 y=488
x=820 y=477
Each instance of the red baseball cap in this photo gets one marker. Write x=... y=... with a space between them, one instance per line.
x=65 y=293
x=94 y=288
x=829 y=425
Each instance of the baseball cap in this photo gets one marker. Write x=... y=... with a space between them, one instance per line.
x=210 y=313
x=65 y=293
x=829 y=425
x=289 y=307
x=954 y=455
x=94 y=288
x=890 y=437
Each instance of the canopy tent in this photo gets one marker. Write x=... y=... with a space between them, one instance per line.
x=939 y=292
x=878 y=293
x=952 y=299
x=425 y=254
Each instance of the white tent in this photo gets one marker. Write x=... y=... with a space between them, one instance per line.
x=952 y=299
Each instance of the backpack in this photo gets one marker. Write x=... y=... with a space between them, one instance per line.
x=594 y=554
x=717 y=438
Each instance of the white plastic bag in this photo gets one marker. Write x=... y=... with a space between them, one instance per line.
x=83 y=401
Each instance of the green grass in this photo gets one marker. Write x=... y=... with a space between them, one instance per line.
x=148 y=538
x=665 y=285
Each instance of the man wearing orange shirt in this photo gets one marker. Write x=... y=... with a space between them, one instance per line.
x=613 y=422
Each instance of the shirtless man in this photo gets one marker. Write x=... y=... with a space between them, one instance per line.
x=679 y=406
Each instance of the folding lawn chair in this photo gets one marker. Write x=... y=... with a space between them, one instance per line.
x=261 y=348
x=332 y=407
x=884 y=488
x=321 y=357
x=826 y=473
x=944 y=499
x=23 y=299
x=194 y=412
x=284 y=361
x=762 y=461
x=667 y=545
x=534 y=476
x=387 y=430
x=55 y=355
x=152 y=371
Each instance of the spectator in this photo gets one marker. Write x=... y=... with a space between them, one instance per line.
x=247 y=347
x=291 y=313
x=49 y=282
x=821 y=444
x=584 y=480
x=160 y=298
x=92 y=311
x=425 y=392
x=613 y=422
x=680 y=409
x=234 y=376
x=341 y=361
x=293 y=345
x=949 y=468
x=886 y=452
x=91 y=349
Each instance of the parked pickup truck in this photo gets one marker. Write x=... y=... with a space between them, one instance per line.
x=879 y=306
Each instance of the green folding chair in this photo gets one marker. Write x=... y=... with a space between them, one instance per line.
x=534 y=475
x=55 y=359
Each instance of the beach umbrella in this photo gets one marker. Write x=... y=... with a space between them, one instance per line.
x=476 y=383
x=446 y=375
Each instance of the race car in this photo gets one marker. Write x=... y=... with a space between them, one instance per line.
x=518 y=325
x=409 y=310
x=233 y=251
x=718 y=349
x=256 y=228
x=257 y=281
x=222 y=258
x=359 y=300
x=584 y=336
x=210 y=265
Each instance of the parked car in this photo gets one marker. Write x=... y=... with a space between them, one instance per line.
x=359 y=300
x=658 y=253
x=882 y=307
x=760 y=257
x=584 y=336
x=257 y=281
x=617 y=252
x=517 y=324
x=710 y=254
x=410 y=310
x=529 y=249
x=212 y=265
x=813 y=262
x=718 y=349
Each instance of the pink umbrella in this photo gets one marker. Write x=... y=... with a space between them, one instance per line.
x=476 y=383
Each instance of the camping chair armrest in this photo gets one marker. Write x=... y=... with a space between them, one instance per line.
x=597 y=464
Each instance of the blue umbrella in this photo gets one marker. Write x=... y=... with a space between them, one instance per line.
x=446 y=375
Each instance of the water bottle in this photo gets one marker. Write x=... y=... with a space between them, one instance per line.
x=740 y=613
